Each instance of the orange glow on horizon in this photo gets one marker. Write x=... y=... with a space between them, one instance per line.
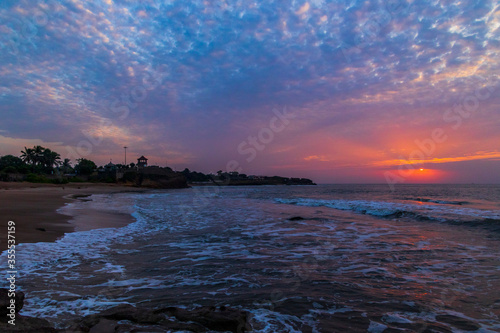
x=419 y=175
x=481 y=155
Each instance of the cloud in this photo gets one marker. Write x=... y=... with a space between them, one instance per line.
x=321 y=158
x=304 y=9
x=494 y=155
x=355 y=68
x=13 y=146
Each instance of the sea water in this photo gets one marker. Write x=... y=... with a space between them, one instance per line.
x=298 y=258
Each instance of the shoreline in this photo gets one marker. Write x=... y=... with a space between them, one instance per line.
x=40 y=214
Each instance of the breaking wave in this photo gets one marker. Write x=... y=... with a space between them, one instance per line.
x=382 y=209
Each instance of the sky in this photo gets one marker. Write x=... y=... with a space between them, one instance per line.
x=336 y=91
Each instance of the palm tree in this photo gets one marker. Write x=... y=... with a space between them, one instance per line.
x=66 y=165
x=27 y=155
x=50 y=158
x=40 y=156
x=38 y=152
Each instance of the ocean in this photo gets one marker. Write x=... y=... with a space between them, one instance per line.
x=298 y=258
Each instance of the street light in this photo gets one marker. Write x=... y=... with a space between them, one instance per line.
x=125 y=154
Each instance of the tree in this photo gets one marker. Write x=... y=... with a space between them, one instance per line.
x=40 y=158
x=13 y=163
x=66 y=166
x=85 y=167
x=37 y=155
x=50 y=158
x=10 y=169
x=27 y=155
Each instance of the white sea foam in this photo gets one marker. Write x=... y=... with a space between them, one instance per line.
x=266 y=321
x=232 y=250
x=388 y=209
x=60 y=260
x=376 y=327
x=396 y=318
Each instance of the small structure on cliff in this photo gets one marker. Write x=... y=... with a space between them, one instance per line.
x=110 y=166
x=140 y=175
x=142 y=162
x=153 y=177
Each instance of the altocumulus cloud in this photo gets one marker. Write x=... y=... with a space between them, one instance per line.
x=189 y=80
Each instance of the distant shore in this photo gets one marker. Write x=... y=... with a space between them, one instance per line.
x=33 y=208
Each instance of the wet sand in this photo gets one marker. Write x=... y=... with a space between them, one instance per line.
x=33 y=208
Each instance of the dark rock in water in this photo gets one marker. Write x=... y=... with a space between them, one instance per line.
x=222 y=319
x=434 y=328
x=28 y=325
x=22 y=323
x=460 y=323
x=350 y=321
x=131 y=328
x=5 y=301
x=296 y=218
x=98 y=321
x=41 y=229
x=104 y=325
x=127 y=318
x=129 y=312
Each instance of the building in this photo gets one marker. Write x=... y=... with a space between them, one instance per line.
x=110 y=166
x=142 y=162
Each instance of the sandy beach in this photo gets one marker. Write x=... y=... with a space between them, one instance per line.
x=33 y=207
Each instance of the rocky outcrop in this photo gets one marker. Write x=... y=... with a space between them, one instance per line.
x=276 y=180
x=296 y=218
x=217 y=319
x=154 y=177
x=5 y=301
x=28 y=325
x=14 y=322
x=127 y=318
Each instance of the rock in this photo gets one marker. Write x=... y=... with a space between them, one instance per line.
x=460 y=323
x=28 y=325
x=22 y=323
x=41 y=229
x=296 y=218
x=5 y=301
x=222 y=319
x=104 y=326
x=435 y=328
x=127 y=318
x=164 y=327
x=120 y=312
x=349 y=321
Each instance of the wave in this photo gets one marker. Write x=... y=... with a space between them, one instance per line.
x=445 y=202
x=392 y=210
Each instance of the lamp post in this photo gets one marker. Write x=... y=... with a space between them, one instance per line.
x=125 y=155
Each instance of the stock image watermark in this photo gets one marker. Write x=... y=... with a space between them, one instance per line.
x=453 y=117
x=120 y=108
x=249 y=149
x=255 y=143
x=373 y=27
x=23 y=33
x=11 y=272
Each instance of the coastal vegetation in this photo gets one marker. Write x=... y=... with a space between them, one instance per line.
x=43 y=165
